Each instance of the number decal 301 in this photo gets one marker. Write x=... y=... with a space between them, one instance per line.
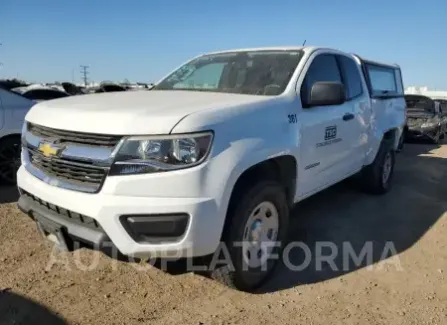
x=292 y=118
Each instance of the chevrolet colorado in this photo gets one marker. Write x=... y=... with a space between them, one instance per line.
x=217 y=152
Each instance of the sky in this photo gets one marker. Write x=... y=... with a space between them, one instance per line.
x=143 y=40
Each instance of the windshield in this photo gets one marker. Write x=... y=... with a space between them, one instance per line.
x=255 y=72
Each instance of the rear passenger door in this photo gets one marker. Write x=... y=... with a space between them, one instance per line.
x=359 y=104
x=327 y=137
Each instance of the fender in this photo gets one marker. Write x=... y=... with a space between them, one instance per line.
x=243 y=137
x=376 y=140
x=253 y=158
x=389 y=116
x=239 y=157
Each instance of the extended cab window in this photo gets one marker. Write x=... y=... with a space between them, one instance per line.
x=351 y=77
x=323 y=68
x=384 y=80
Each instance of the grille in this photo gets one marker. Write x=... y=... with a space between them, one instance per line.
x=63 y=136
x=83 y=174
x=64 y=213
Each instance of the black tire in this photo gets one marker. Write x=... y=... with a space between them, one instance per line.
x=239 y=275
x=401 y=142
x=373 y=179
x=9 y=159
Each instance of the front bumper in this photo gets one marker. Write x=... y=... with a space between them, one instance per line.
x=201 y=237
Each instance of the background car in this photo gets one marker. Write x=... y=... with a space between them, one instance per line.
x=9 y=84
x=424 y=118
x=13 y=108
x=40 y=93
x=72 y=89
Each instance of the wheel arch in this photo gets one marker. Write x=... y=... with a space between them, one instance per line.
x=390 y=135
x=283 y=169
x=4 y=144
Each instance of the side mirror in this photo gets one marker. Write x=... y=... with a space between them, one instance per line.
x=327 y=93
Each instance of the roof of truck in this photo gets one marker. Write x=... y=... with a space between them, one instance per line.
x=297 y=48
x=253 y=49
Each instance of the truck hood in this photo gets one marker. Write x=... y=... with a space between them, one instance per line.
x=131 y=112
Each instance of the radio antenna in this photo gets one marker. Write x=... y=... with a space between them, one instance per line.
x=304 y=42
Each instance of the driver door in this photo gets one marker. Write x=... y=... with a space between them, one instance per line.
x=326 y=131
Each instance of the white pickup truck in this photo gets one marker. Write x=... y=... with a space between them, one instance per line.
x=217 y=152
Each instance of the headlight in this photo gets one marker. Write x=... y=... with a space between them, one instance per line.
x=140 y=155
x=428 y=125
x=431 y=122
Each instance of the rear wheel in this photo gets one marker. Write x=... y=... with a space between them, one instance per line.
x=377 y=177
x=256 y=233
x=9 y=159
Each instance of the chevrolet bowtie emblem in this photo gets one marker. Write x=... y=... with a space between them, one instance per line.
x=49 y=149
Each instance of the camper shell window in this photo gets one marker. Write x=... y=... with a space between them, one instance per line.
x=384 y=81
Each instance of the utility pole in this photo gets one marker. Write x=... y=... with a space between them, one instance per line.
x=84 y=72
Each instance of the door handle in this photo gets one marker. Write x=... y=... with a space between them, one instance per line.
x=348 y=116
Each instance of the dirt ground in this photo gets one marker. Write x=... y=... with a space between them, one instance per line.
x=406 y=288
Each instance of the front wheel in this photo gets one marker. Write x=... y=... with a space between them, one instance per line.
x=255 y=237
x=9 y=159
x=377 y=177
